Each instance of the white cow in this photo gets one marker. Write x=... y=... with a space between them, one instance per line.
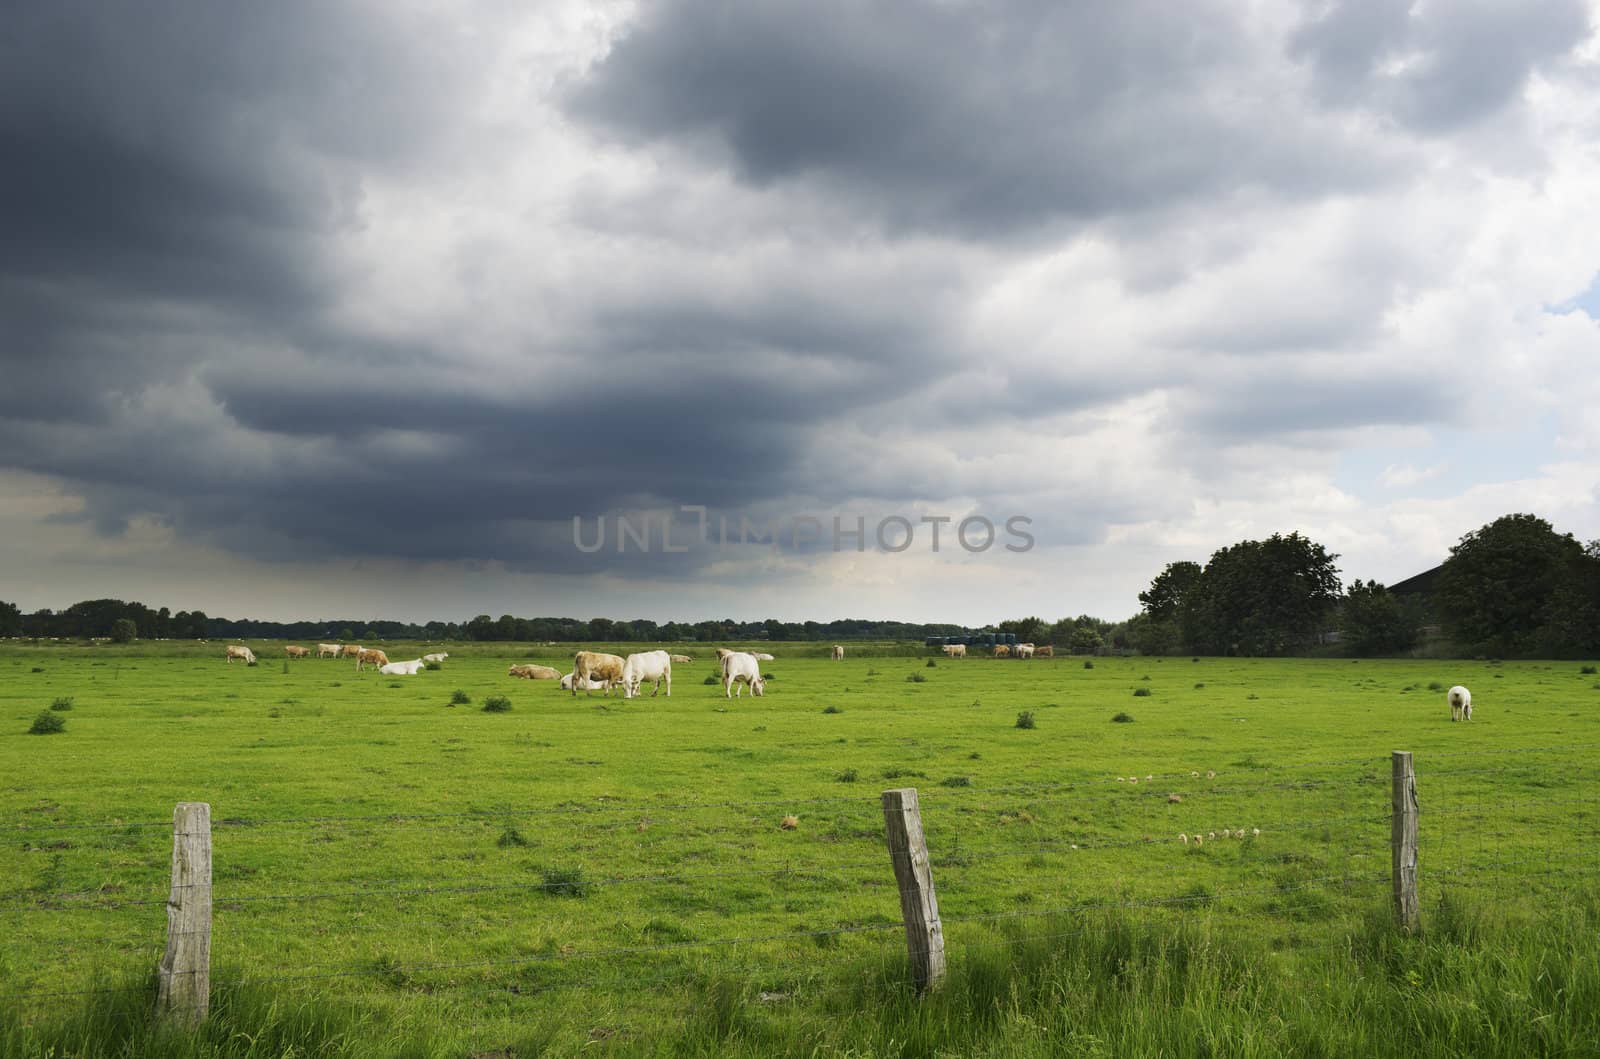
x=1023 y=650
x=955 y=650
x=327 y=650
x=838 y=653
x=759 y=657
x=438 y=656
x=402 y=669
x=646 y=666
x=741 y=668
x=588 y=685
x=1460 y=703
x=243 y=654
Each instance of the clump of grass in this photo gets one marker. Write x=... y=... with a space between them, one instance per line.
x=48 y=723
x=872 y=672
x=932 y=663
x=845 y=776
x=900 y=773
x=63 y=702
x=1434 y=685
x=831 y=709
x=1195 y=659
x=713 y=679
x=1122 y=718
x=1145 y=677
x=956 y=781
x=38 y=669
x=1141 y=693
x=1200 y=685
x=916 y=678
x=460 y=698
x=566 y=882
x=1025 y=719
x=1252 y=697
x=1088 y=663
x=496 y=704
x=1587 y=671
x=510 y=837
x=433 y=666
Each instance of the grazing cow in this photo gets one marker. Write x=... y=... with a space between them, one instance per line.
x=296 y=652
x=350 y=650
x=1044 y=652
x=371 y=656
x=588 y=685
x=645 y=666
x=533 y=672
x=1460 y=703
x=402 y=669
x=1002 y=651
x=722 y=652
x=1024 y=650
x=681 y=660
x=327 y=650
x=243 y=654
x=955 y=650
x=838 y=653
x=741 y=668
x=438 y=656
x=596 y=665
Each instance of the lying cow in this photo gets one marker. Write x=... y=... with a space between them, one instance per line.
x=759 y=657
x=533 y=672
x=402 y=669
x=438 y=656
x=371 y=656
x=596 y=665
x=243 y=654
x=655 y=666
x=681 y=660
x=588 y=685
x=741 y=668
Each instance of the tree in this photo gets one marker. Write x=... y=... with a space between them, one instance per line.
x=1573 y=628
x=123 y=630
x=1373 y=622
x=1266 y=597
x=1165 y=594
x=1027 y=630
x=10 y=619
x=1496 y=591
x=1086 y=641
x=1151 y=637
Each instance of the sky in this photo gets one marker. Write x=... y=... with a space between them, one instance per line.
x=315 y=309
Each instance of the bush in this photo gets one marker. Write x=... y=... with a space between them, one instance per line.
x=48 y=723
x=1587 y=671
x=62 y=703
x=1435 y=686
x=38 y=669
x=916 y=678
x=831 y=709
x=1122 y=718
x=1200 y=685
x=1087 y=664
x=123 y=630
x=846 y=776
x=460 y=698
x=566 y=882
x=956 y=781
x=1025 y=719
x=433 y=666
x=1141 y=693
x=496 y=704
x=713 y=679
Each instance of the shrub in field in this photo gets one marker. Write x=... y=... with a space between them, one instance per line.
x=1200 y=685
x=1087 y=664
x=956 y=781
x=1122 y=718
x=47 y=723
x=1145 y=677
x=831 y=709
x=460 y=698
x=38 y=669
x=64 y=702
x=713 y=679
x=899 y=773
x=510 y=837
x=1141 y=693
x=846 y=776
x=916 y=678
x=1025 y=719
x=932 y=663
x=566 y=882
x=1587 y=671
x=434 y=666
x=1435 y=686
x=496 y=704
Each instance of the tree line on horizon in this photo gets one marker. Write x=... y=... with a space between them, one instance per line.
x=1512 y=588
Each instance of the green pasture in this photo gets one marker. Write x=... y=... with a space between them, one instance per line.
x=397 y=874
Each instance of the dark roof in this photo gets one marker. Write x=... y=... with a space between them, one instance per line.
x=1417 y=585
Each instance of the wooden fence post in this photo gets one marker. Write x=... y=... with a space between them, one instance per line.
x=913 y=875
x=1403 y=842
x=185 y=972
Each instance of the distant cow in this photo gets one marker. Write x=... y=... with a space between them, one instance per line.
x=371 y=656
x=760 y=657
x=438 y=656
x=741 y=668
x=243 y=654
x=1002 y=651
x=598 y=666
x=327 y=650
x=297 y=652
x=402 y=669
x=646 y=666
x=533 y=672
x=955 y=650
x=681 y=659
x=1460 y=703
x=588 y=685
x=1045 y=652
x=350 y=650
x=838 y=653
x=1024 y=650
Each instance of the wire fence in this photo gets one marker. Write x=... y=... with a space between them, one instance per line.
x=485 y=904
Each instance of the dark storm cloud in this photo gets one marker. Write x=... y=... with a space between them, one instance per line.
x=1436 y=66
x=973 y=118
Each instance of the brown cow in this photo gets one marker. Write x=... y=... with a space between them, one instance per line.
x=371 y=656
x=297 y=652
x=595 y=665
x=1045 y=652
x=350 y=650
x=1002 y=651
x=533 y=672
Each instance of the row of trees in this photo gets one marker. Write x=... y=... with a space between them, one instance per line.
x=1512 y=587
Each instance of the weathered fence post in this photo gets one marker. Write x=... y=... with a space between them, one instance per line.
x=185 y=972
x=1403 y=843
x=914 y=876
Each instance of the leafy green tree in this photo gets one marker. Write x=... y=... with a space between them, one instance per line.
x=10 y=619
x=1086 y=641
x=1027 y=630
x=1151 y=636
x=1497 y=590
x=1373 y=622
x=1266 y=597
x=1573 y=627
x=123 y=630
x=1164 y=597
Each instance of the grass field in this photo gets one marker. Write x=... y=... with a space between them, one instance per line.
x=395 y=874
